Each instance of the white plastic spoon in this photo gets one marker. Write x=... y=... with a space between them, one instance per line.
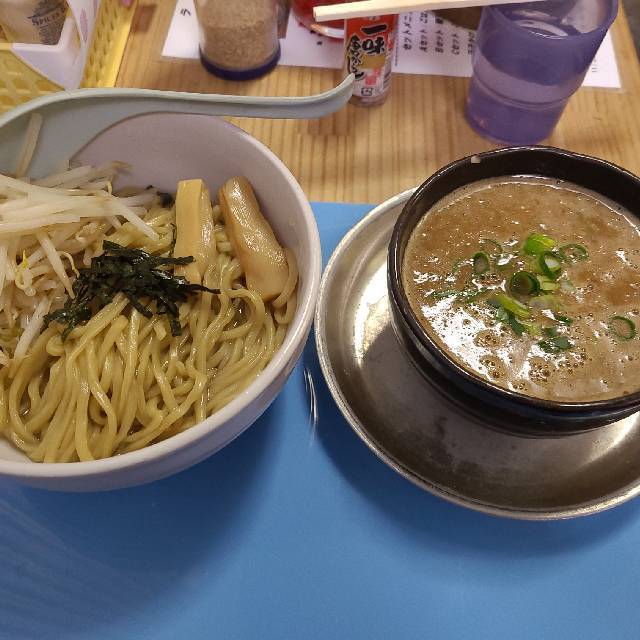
x=71 y=119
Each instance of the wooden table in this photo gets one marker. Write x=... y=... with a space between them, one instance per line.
x=369 y=154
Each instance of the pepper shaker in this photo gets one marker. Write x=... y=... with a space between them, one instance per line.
x=369 y=46
x=239 y=39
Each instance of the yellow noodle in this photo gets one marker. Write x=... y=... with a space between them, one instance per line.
x=101 y=399
x=33 y=391
x=163 y=383
x=4 y=422
x=81 y=423
x=130 y=358
x=38 y=420
x=116 y=379
x=114 y=331
x=61 y=424
x=106 y=374
x=122 y=381
x=96 y=414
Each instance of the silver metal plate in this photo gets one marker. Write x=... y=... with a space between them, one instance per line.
x=428 y=440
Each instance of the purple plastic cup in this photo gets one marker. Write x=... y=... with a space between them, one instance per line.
x=529 y=60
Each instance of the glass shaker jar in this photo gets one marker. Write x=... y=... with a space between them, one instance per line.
x=238 y=38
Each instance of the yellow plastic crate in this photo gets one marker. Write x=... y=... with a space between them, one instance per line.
x=20 y=82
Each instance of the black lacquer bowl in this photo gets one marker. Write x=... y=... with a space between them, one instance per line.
x=503 y=408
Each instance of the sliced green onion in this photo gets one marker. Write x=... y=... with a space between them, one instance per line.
x=513 y=306
x=562 y=319
x=502 y=315
x=550 y=332
x=469 y=294
x=445 y=293
x=573 y=252
x=545 y=345
x=517 y=327
x=538 y=243
x=531 y=328
x=550 y=264
x=556 y=344
x=562 y=342
x=546 y=284
x=524 y=283
x=491 y=247
x=520 y=326
x=622 y=327
x=481 y=263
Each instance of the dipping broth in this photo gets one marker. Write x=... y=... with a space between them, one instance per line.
x=564 y=327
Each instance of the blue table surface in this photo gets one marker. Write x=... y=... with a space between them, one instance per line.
x=300 y=532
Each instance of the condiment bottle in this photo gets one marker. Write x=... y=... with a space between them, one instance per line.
x=33 y=21
x=239 y=38
x=369 y=45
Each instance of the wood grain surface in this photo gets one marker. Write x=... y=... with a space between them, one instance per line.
x=367 y=154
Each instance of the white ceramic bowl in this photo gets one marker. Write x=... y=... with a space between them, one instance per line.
x=163 y=149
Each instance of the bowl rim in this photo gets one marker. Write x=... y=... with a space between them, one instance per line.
x=296 y=334
x=400 y=300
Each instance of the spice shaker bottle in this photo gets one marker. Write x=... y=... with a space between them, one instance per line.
x=369 y=45
x=33 y=21
x=239 y=38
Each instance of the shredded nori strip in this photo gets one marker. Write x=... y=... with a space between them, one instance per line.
x=141 y=276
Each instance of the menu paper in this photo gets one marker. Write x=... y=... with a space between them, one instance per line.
x=427 y=45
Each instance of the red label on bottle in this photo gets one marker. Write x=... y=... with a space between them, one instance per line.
x=369 y=49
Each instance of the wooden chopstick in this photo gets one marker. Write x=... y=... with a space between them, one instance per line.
x=381 y=7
